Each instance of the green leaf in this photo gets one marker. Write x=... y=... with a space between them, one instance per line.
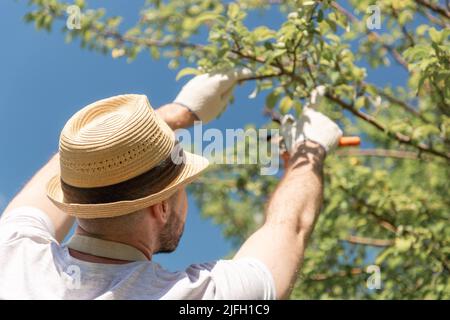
x=233 y=10
x=272 y=98
x=133 y=32
x=405 y=17
x=371 y=89
x=436 y=36
x=285 y=104
x=204 y=17
x=420 y=30
x=416 y=53
x=154 y=52
x=263 y=33
x=297 y=107
x=185 y=72
x=361 y=102
x=333 y=38
x=403 y=244
x=275 y=54
x=332 y=23
x=424 y=131
x=80 y=3
x=320 y=16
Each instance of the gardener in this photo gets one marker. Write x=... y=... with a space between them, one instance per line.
x=115 y=173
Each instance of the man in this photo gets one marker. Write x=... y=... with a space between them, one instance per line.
x=121 y=174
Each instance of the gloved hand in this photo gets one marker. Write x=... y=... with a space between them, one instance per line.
x=313 y=126
x=208 y=94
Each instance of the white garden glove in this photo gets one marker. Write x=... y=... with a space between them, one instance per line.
x=312 y=125
x=208 y=94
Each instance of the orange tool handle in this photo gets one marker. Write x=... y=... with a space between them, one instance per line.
x=349 y=141
x=343 y=142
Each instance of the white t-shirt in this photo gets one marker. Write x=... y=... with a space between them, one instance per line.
x=33 y=265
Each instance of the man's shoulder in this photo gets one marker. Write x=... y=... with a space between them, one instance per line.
x=26 y=222
x=245 y=278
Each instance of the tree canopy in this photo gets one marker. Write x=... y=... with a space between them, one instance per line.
x=386 y=204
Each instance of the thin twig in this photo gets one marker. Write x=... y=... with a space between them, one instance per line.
x=339 y=274
x=403 y=28
x=435 y=8
x=382 y=153
x=369 y=241
x=384 y=222
x=402 y=104
x=396 y=135
x=260 y=77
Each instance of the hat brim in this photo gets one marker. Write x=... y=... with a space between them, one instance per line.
x=194 y=165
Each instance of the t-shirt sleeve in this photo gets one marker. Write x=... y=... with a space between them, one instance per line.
x=241 y=279
x=26 y=222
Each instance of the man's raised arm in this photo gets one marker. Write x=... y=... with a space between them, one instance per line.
x=293 y=208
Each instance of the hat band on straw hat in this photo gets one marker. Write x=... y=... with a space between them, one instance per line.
x=143 y=185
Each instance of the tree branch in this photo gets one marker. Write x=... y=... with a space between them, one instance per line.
x=433 y=19
x=350 y=107
x=393 y=51
x=261 y=77
x=384 y=222
x=435 y=8
x=339 y=274
x=403 y=28
x=383 y=153
x=147 y=42
x=369 y=241
x=402 y=104
x=131 y=39
x=396 y=135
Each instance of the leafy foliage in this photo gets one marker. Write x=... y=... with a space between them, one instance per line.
x=387 y=204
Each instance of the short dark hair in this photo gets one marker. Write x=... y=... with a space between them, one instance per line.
x=145 y=184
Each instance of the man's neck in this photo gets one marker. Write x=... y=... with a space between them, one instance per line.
x=84 y=256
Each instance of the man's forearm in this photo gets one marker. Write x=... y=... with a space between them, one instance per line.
x=176 y=116
x=280 y=243
x=297 y=200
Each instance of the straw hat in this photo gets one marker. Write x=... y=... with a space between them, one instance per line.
x=113 y=144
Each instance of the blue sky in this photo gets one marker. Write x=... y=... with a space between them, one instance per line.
x=43 y=81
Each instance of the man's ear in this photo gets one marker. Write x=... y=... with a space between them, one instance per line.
x=160 y=212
